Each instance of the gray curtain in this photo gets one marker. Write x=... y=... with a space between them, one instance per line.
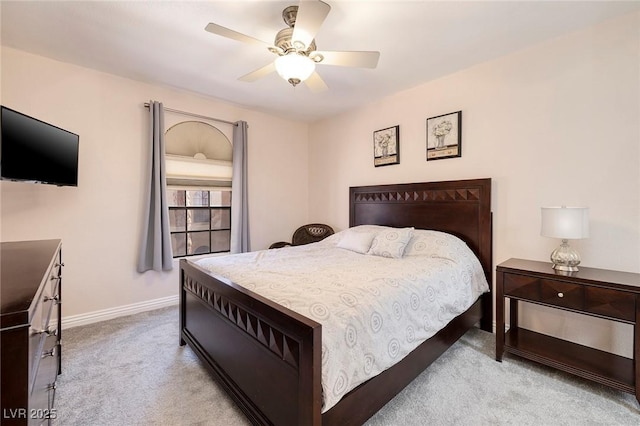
x=155 y=250
x=239 y=196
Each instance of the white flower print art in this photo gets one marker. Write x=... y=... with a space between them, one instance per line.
x=444 y=136
x=386 y=146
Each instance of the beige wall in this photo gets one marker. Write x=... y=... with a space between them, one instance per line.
x=556 y=124
x=100 y=220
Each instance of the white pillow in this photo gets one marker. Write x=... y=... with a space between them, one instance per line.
x=435 y=244
x=358 y=240
x=391 y=242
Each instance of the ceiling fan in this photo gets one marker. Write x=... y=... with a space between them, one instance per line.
x=296 y=47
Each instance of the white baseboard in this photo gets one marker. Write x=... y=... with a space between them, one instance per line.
x=120 y=311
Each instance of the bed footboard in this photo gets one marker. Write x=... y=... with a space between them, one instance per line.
x=267 y=357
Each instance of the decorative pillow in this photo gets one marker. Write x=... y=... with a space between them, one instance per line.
x=357 y=239
x=391 y=242
x=435 y=244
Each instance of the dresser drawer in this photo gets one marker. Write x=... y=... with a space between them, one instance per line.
x=55 y=276
x=614 y=304
x=41 y=400
x=36 y=339
x=45 y=311
x=53 y=300
x=42 y=311
x=47 y=370
x=52 y=326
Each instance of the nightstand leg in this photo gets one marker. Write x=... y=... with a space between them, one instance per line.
x=636 y=349
x=513 y=314
x=499 y=318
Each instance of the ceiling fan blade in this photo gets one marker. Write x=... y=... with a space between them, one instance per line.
x=234 y=35
x=315 y=83
x=259 y=73
x=309 y=19
x=361 y=59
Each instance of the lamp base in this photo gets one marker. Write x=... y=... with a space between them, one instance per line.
x=565 y=258
x=564 y=269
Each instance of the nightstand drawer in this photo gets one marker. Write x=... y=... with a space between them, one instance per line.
x=610 y=303
x=522 y=287
x=600 y=301
x=556 y=293
x=561 y=294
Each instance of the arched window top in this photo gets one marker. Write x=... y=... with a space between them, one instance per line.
x=196 y=139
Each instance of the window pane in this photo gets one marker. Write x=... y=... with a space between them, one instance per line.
x=220 y=198
x=179 y=244
x=198 y=242
x=220 y=241
x=198 y=219
x=176 y=198
x=220 y=219
x=177 y=220
x=197 y=198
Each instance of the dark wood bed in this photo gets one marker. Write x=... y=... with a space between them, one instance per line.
x=268 y=358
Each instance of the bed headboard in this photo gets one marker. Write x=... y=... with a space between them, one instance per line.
x=460 y=207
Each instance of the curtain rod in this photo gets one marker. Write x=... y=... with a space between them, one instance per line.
x=190 y=114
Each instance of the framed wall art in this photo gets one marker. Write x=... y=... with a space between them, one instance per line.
x=444 y=136
x=386 y=146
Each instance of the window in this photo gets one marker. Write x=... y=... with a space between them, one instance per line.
x=198 y=159
x=199 y=220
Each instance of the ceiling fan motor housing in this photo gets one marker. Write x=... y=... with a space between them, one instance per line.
x=283 y=41
x=283 y=38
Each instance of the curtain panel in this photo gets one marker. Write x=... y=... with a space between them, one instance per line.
x=240 y=242
x=155 y=250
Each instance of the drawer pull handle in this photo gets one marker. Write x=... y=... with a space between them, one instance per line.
x=52 y=352
x=55 y=298
x=52 y=386
x=59 y=264
x=50 y=331
x=55 y=278
x=560 y=295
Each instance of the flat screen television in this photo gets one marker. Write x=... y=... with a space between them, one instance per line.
x=34 y=151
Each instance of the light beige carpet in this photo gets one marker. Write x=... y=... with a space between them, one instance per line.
x=131 y=371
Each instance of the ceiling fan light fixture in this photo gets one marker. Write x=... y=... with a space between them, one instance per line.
x=295 y=67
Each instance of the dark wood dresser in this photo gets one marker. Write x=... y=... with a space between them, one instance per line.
x=30 y=323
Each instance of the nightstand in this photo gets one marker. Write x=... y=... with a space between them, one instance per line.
x=611 y=295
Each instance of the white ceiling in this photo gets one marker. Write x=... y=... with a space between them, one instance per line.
x=165 y=42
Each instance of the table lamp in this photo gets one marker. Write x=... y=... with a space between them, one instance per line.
x=566 y=223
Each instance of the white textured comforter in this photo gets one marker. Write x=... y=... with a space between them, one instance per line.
x=373 y=310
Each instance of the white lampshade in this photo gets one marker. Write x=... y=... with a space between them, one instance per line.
x=295 y=67
x=568 y=223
